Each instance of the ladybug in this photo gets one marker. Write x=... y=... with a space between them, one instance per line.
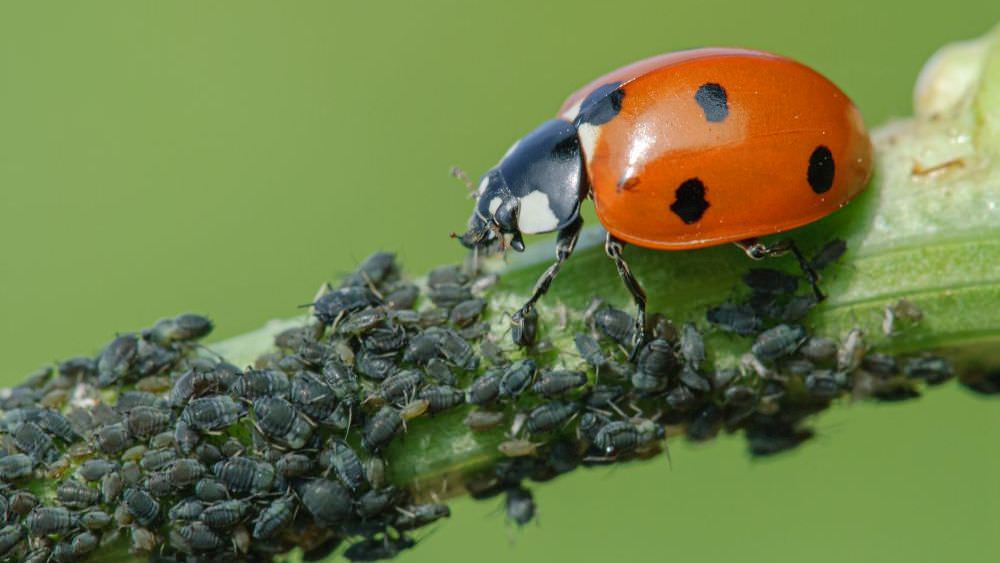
x=680 y=151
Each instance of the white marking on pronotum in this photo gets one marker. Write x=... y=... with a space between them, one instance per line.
x=482 y=185
x=495 y=204
x=588 y=139
x=536 y=215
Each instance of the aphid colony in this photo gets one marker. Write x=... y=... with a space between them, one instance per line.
x=198 y=459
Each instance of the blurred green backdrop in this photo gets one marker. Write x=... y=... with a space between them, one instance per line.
x=227 y=157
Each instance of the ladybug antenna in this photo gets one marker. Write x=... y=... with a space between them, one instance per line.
x=458 y=172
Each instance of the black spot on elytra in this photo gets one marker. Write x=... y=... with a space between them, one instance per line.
x=690 y=204
x=601 y=105
x=821 y=170
x=712 y=99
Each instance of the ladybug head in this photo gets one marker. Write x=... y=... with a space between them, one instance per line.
x=536 y=188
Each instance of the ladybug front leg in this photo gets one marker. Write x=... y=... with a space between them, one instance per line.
x=565 y=244
x=757 y=250
x=613 y=247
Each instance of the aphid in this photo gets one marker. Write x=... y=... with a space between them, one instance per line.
x=277 y=418
x=200 y=537
x=730 y=317
x=224 y=514
x=932 y=369
x=376 y=269
x=183 y=328
x=439 y=371
x=193 y=383
x=448 y=295
x=403 y=297
x=375 y=472
x=345 y=463
x=517 y=377
x=441 y=397
x=520 y=505
x=797 y=308
x=481 y=420
x=211 y=413
x=518 y=448
x=131 y=473
x=208 y=454
x=548 y=416
x=433 y=317
x=117 y=359
x=210 y=490
x=55 y=423
x=822 y=384
x=375 y=549
x=657 y=358
x=777 y=342
x=327 y=501
x=95 y=520
x=383 y=340
x=112 y=485
x=10 y=536
x=78 y=367
x=232 y=447
x=590 y=350
x=376 y=501
x=602 y=396
x=454 y=348
x=852 y=351
x=15 y=467
x=375 y=366
x=22 y=502
x=153 y=384
x=187 y=509
x=767 y=281
x=45 y=520
x=381 y=428
x=185 y=437
x=362 y=321
x=422 y=348
x=485 y=388
x=274 y=517
x=694 y=380
x=144 y=422
x=880 y=364
x=75 y=494
x=294 y=464
x=818 y=349
x=828 y=254
x=903 y=310
x=75 y=549
x=245 y=475
x=692 y=345
x=58 y=468
x=524 y=328
x=346 y=414
x=257 y=383
x=162 y=440
x=399 y=386
x=33 y=441
x=143 y=507
x=615 y=324
x=143 y=540
x=493 y=353
x=466 y=312
x=414 y=409
x=185 y=472
x=342 y=381
x=705 y=424
x=332 y=304
x=768 y=437
x=158 y=484
x=128 y=400
x=553 y=383
x=417 y=516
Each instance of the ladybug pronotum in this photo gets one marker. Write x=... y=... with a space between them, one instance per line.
x=680 y=151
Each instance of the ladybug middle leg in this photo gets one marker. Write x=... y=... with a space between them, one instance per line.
x=757 y=250
x=613 y=247
x=565 y=244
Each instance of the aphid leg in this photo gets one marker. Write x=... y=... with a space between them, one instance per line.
x=757 y=250
x=613 y=247
x=565 y=244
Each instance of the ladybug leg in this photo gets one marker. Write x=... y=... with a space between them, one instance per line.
x=565 y=244
x=757 y=250
x=613 y=247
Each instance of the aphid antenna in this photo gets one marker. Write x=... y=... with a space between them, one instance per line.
x=618 y=410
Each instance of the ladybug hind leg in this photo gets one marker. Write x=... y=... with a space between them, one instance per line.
x=614 y=247
x=565 y=244
x=758 y=250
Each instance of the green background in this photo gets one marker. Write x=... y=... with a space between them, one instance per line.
x=228 y=157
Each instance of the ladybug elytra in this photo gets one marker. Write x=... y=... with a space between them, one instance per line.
x=680 y=151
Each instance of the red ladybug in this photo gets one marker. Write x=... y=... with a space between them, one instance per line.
x=681 y=151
